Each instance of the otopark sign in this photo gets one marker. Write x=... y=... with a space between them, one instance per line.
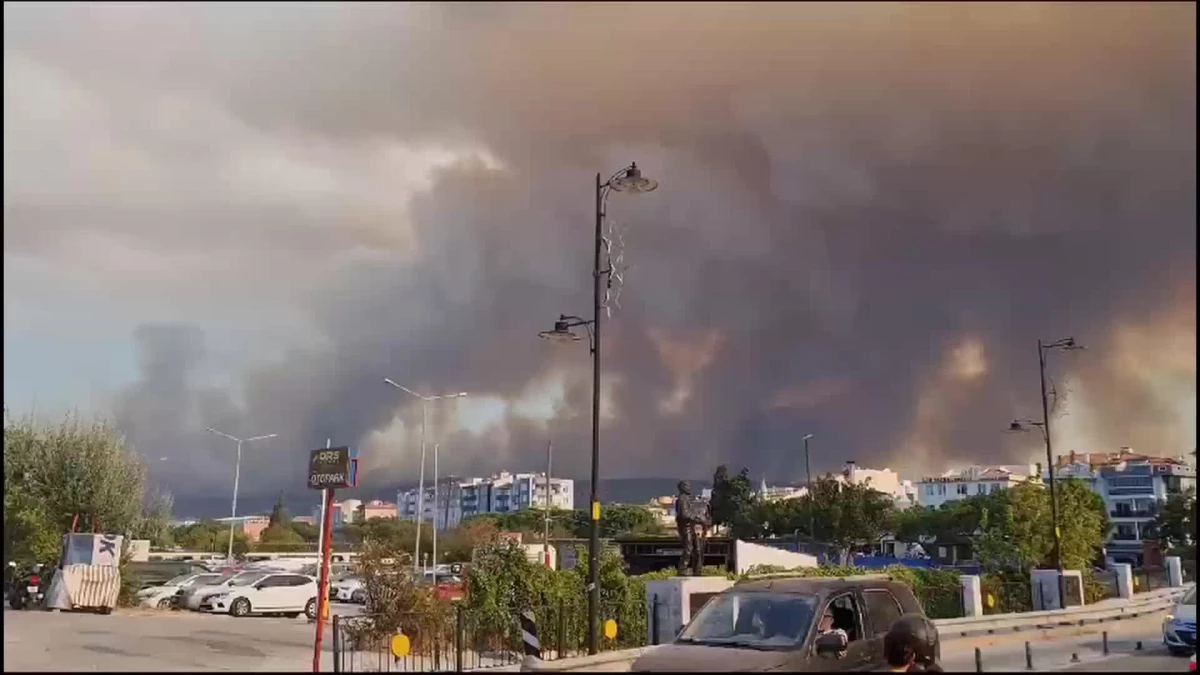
x=332 y=468
x=328 y=470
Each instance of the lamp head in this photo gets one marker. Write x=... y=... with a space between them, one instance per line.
x=1016 y=427
x=633 y=181
x=561 y=333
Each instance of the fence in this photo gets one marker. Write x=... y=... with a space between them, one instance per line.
x=467 y=639
x=1149 y=579
x=1005 y=597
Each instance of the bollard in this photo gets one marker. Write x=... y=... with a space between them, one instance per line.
x=1104 y=638
x=1028 y=657
x=978 y=660
x=1074 y=657
x=529 y=634
x=1138 y=647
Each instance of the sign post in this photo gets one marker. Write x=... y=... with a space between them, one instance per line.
x=328 y=469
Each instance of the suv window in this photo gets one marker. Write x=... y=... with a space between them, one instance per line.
x=297 y=580
x=845 y=614
x=273 y=581
x=882 y=608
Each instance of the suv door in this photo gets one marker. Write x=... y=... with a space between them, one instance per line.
x=882 y=610
x=848 y=615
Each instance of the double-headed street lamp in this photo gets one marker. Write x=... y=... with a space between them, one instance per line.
x=629 y=179
x=1065 y=344
x=425 y=400
x=237 y=474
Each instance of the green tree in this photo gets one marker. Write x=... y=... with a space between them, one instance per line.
x=733 y=502
x=307 y=532
x=70 y=474
x=1016 y=527
x=279 y=513
x=279 y=535
x=1175 y=522
x=617 y=520
x=389 y=533
x=848 y=514
x=210 y=537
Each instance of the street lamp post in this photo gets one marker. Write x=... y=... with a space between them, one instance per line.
x=629 y=179
x=425 y=400
x=1065 y=344
x=812 y=518
x=237 y=474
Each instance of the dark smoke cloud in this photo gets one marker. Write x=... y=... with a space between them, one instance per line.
x=868 y=214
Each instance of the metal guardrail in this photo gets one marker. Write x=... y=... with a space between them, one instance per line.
x=950 y=629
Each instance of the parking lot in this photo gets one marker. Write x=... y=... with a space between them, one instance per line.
x=152 y=640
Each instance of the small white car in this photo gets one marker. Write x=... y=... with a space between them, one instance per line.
x=281 y=593
x=1179 y=628
x=189 y=598
x=162 y=597
x=344 y=589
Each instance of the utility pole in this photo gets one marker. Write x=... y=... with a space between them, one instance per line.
x=546 y=518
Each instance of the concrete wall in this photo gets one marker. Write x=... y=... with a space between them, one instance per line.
x=749 y=555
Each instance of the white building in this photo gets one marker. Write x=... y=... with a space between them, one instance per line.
x=902 y=492
x=1133 y=486
x=502 y=493
x=975 y=480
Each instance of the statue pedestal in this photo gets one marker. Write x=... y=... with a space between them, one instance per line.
x=671 y=603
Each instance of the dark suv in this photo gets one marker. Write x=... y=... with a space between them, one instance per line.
x=789 y=624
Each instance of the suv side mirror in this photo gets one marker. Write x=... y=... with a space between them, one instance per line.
x=831 y=644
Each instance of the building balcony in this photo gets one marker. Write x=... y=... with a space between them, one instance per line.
x=1124 y=536
x=1139 y=513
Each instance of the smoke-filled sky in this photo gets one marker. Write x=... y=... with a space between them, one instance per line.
x=247 y=215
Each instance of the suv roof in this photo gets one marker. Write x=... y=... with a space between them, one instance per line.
x=824 y=586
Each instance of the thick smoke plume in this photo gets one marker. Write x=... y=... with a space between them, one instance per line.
x=868 y=213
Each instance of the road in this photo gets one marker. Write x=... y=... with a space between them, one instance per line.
x=153 y=640
x=1055 y=650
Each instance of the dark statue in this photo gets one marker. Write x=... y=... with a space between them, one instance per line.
x=693 y=518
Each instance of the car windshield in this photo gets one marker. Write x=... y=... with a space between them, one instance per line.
x=246 y=578
x=754 y=619
x=178 y=581
x=1190 y=597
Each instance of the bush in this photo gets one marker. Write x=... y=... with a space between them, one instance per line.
x=397 y=604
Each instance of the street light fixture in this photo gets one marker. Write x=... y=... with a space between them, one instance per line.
x=628 y=179
x=425 y=400
x=1064 y=344
x=237 y=474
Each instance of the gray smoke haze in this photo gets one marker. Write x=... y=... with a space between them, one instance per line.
x=868 y=213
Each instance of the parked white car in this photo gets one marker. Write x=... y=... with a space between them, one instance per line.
x=189 y=598
x=163 y=596
x=1179 y=628
x=344 y=589
x=281 y=593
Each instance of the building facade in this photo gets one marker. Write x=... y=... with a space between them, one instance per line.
x=376 y=509
x=959 y=484
x=504 y=492
x=1133 y=486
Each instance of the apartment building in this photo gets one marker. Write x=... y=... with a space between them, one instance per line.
x=501 y=493
x=1133 y=486
x=975 y=480
x=376 y=509
x=902 y=492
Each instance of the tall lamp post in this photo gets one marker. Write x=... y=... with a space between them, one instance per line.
x=812 y=518
x=628 y=179
x=425 y=400
x=237 y=474
x=1065 y=344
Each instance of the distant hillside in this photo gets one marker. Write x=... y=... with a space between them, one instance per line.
x=302 y=502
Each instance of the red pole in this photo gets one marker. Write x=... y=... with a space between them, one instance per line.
x=323 y=584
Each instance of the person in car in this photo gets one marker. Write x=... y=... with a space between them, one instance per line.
x=827 y=626
x=911 y=645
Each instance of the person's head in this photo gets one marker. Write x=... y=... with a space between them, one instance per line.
x=912 y=639
x=685 y=488
x=826 y=622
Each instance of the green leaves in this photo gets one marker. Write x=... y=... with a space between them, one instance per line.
x=53 y=475
x=1176 y=520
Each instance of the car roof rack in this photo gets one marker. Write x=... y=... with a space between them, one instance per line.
x=799 y=575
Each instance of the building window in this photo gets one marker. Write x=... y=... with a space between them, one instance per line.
x=962 y=488
x=942 y=489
